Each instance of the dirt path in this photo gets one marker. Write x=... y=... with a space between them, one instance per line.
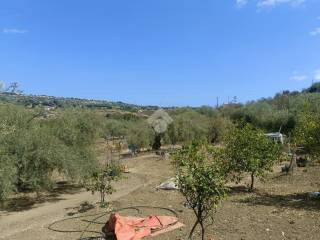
x=279 y=209
x=32 y=224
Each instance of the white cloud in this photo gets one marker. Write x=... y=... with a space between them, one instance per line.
x=298 y=78
x=317 y=75
x=14 y=31
x=315 y=32
x=272 y=3
x=241 y=3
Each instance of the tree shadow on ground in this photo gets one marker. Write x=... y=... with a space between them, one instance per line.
x=300 y=201
x=282 y=176
x=28 y=201
x=239 y=189
x=25 y=203
x=97 y=238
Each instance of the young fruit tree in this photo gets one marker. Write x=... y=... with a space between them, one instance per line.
x=249 y=150
x=201 y=179
x=101 y=181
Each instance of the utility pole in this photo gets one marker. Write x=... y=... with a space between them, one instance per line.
x=217 y=102
x=235 y=100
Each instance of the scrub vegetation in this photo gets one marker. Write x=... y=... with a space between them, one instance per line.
x=37 y=142
x=214 y=147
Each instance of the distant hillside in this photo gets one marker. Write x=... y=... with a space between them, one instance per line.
x=33 y=101
x=280 y=108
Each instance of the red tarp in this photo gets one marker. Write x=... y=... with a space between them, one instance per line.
x=134 y=228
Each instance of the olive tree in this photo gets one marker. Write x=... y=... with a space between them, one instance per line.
x=32 y=148
x=188 y=125
x=139 y=135
x=14 y=88
x=218 y=129
x=201 y=179
x=249 y=151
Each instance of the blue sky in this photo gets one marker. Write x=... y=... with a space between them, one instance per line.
x=160 y=52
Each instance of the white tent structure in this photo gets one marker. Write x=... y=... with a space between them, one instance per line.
x=277 y=137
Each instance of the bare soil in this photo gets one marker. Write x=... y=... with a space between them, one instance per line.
x=280 y=208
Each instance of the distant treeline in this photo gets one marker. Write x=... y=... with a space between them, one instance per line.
x=279 y=112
